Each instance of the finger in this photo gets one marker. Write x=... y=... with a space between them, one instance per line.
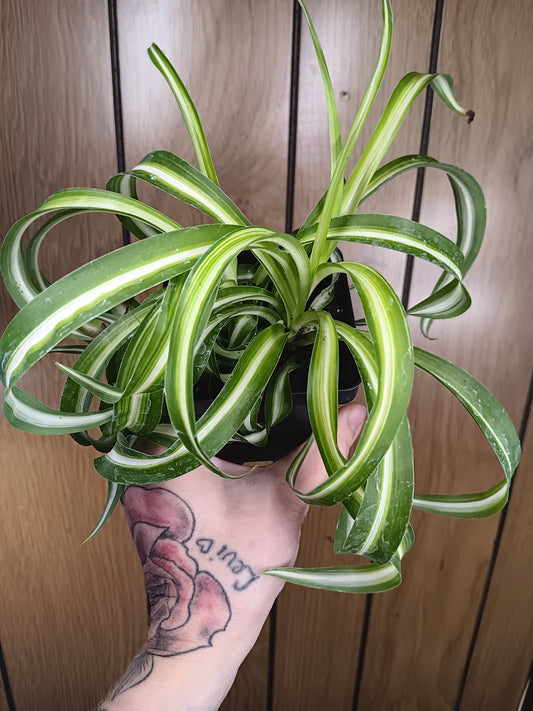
x=230 y=468
x=350 y=423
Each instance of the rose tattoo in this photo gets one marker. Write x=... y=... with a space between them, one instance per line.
x=187 y=606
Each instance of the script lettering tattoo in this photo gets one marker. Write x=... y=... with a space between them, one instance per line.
x=248 y=579
x=235 y=564
x=229 y=556
x=205 y=544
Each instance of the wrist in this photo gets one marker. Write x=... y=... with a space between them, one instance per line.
x=154 y=683
x=199 y=679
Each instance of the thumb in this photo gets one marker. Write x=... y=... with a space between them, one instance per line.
x=350 y=421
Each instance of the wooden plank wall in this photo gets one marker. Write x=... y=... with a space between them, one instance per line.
x=71 y=615
x=427 y=624
x=351 y=44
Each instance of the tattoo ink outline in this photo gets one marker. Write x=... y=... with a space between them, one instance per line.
x=236 y=565
x=139 y=669
x=154 y=518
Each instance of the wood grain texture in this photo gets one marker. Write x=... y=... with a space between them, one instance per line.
x=319 y=632
x=504 y=649
x=70 y=615
x=3 y=698
x=57 y=131
x=350 y=33
x=234 y=58
x=420 y=634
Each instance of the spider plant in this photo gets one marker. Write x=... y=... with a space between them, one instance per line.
x=244 y=324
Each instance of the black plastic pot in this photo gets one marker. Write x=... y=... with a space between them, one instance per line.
x=296 y=428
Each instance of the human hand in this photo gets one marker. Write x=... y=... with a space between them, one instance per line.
x=203 y=542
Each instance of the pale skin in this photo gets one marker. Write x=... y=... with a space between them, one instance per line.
x=203 y=541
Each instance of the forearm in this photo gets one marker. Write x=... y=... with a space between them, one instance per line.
x=197 y=680
x=159 y=683
x=197 y=683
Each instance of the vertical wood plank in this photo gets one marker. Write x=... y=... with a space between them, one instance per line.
x=234 y=58
x=318 y=632
x=73 y=614
x=504 y=648
x=70 y=615
x=3 y=699
x=420 y=634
